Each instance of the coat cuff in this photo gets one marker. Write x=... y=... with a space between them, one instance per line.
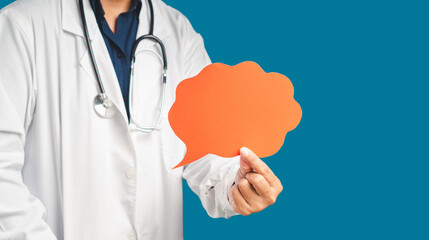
x=223 y=188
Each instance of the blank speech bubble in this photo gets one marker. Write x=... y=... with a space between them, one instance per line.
x=224 y=108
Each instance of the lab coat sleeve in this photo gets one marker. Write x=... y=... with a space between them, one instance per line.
x=21 y=214
x=210 y=177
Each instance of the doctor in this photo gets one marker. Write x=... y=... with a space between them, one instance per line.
x=68 y=173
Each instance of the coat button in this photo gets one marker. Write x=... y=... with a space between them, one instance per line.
x=132 y=235
x=131 y=174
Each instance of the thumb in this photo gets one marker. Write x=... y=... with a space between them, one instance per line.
x=244 y=168
x=244 y=165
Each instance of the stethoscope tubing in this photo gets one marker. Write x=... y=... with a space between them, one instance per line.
x=91 y=51
x=102 y=103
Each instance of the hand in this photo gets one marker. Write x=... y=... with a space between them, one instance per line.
x=256 y=187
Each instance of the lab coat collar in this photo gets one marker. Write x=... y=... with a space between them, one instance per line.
x=71 y=20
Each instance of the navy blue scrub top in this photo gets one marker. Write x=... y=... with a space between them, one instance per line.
x=120 y=44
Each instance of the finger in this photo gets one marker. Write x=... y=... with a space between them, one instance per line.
x=260 y=184
x=241 y=173
x=239 y=204
x=258 y=165
x=244 y=166
x=248 y=192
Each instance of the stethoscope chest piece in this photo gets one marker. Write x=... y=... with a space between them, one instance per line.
x=103 y=106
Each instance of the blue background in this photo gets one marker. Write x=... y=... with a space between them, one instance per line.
x=357 y=165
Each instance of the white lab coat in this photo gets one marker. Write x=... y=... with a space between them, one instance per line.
x=66 y=173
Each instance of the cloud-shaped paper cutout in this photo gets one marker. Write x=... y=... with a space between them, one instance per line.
x=226 y=107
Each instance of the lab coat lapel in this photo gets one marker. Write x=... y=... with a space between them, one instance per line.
x=72 y=23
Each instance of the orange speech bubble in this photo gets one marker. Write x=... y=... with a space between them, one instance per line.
x=226 y=107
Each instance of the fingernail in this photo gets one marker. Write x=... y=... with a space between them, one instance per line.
x=244 y=152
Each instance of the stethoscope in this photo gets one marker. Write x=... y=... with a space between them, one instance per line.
x=103 y=105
